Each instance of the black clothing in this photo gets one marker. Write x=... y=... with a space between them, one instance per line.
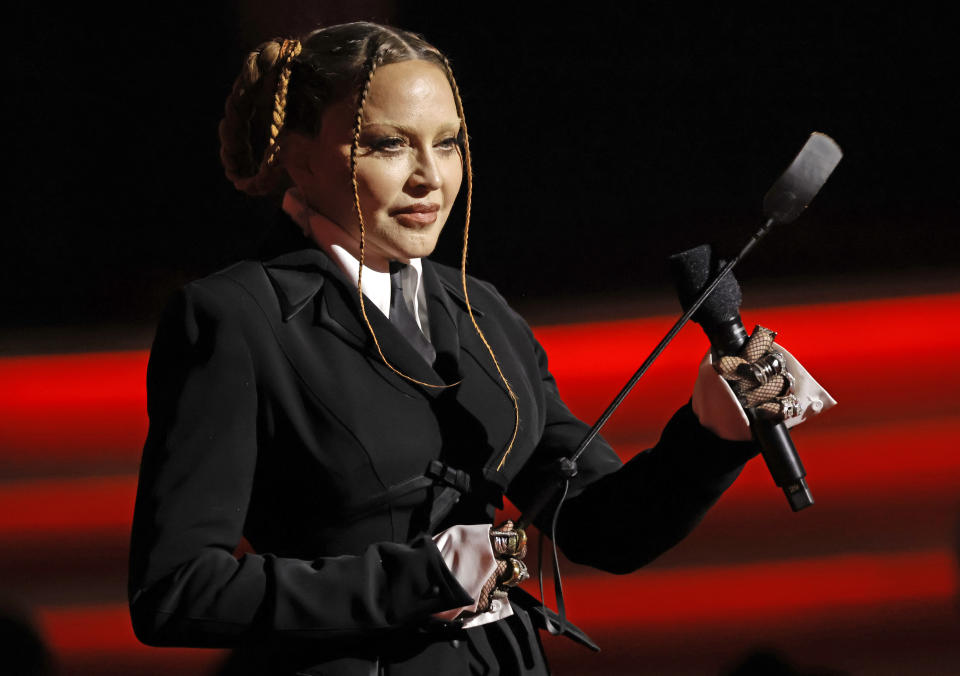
x=273 y=417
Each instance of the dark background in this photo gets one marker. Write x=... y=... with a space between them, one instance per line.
x=605 y=138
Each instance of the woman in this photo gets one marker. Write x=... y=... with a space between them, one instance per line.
x=361 y=442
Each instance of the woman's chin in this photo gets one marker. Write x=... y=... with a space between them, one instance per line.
x=415 y=246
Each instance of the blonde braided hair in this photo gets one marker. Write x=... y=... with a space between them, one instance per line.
x=288 y=50
x=267 y=68
x=373 y=64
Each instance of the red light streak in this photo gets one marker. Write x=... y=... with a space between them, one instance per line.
x=661 y=603
x=93 y=406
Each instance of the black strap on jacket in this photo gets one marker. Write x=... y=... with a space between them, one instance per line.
x=450 y=485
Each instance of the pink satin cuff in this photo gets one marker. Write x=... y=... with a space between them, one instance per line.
x=467 y=552
x=717 y=408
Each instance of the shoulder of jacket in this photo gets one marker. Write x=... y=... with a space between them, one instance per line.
x=246 y=275
x=227 y=291
x=450 y=277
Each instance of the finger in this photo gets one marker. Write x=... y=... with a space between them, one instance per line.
x=507 y=540
x=516 y=572
x=486 y=593
x=762 y=370
x=728 y=366
x=775 y=387
x=759 y=343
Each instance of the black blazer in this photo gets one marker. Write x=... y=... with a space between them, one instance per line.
x=272 y=417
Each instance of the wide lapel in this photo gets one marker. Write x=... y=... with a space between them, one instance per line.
x=495 y=410
x=468 y=339
x=300 y=277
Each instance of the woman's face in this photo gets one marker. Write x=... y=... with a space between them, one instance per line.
x=409 y=166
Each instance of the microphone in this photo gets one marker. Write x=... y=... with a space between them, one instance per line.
x=719 y=316
x=783 y=203
x=702 y=279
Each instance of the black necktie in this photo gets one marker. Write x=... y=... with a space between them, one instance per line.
x=403 y=318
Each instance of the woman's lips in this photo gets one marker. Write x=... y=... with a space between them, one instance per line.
x=417 y=215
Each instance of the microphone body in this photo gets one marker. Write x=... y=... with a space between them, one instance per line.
x=777 y=448
x=719 y=316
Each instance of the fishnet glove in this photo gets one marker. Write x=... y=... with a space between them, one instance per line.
x=759 y=378
x=509 y=547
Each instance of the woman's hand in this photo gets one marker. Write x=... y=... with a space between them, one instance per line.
x=764 y=376
x=509 y=546
x=759 y=377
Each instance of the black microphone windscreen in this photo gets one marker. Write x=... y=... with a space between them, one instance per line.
x=693 y=270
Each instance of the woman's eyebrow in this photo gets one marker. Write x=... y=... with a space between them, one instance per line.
x=450 y=126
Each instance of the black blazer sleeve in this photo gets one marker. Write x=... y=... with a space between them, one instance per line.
x=186 y=587
x=621 y=516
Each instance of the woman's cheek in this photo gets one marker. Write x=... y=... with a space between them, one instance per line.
x=377 y=188
x=452 y=176
x=388 y=181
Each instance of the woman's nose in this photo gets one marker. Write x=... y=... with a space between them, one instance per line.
x=426 y=173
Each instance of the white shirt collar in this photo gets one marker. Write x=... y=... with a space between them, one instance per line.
x=334 y=240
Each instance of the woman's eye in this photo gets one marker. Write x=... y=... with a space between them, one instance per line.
x=450 y=143
x=387 y=143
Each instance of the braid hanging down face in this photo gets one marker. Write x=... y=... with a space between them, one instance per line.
x=367 y=121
